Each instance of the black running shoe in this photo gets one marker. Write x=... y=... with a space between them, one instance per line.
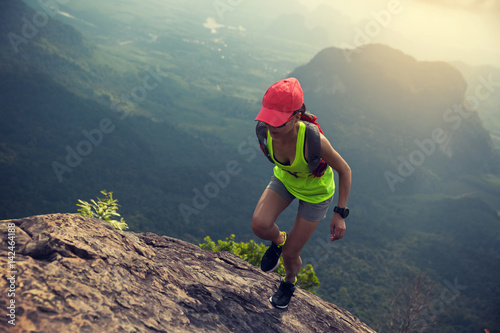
x=271 y=259
x=282 y=297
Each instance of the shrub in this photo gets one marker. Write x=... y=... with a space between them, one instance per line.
x=105 y=209
x=253 y=252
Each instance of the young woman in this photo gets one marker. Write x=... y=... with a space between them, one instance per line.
x=283 y=104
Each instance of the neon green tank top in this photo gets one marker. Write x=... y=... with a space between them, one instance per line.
x=297 y=178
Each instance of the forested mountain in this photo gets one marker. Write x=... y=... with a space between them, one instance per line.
x=423 y=167
x=162 y=115
x=484 y=82
x=399 y=117
x=55 y=103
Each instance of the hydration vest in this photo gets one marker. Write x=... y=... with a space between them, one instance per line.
x=316 y=164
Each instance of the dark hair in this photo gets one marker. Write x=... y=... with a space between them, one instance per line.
x=302 y=110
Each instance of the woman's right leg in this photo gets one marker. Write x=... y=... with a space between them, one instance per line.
x=269 y=207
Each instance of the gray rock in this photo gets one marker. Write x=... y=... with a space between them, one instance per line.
x=76 y=274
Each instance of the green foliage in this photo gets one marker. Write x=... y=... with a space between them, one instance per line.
x=104 y=209
x=253 y=252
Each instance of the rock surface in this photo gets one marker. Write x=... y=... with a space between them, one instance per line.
x=76 y=274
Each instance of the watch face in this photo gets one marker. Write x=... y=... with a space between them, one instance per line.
x=344 y=212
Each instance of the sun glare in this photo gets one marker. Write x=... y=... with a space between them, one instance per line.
x=433 y=30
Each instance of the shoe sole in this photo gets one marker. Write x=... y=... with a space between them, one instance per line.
x=277 y=306
x=272 y=269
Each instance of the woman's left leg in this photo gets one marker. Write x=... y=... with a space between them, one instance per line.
x=301 y=231
x=308 y=218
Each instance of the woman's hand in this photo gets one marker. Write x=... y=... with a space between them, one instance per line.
x=337 y=227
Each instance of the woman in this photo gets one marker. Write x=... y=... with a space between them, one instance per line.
x=286 y=142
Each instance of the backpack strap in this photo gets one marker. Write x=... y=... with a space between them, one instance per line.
x=309 y=117
x=316 y=164
x=261 y=131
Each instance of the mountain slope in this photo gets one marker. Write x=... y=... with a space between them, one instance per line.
x=54 y=152
x=440 y=219
x=400 y=106
x=60 y=147
x=37 y=39
x=484 y=92
x=80 y=275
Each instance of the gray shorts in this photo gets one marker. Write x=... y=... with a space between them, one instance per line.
x=310 y=211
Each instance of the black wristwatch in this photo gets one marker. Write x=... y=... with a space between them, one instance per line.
x=344 y=212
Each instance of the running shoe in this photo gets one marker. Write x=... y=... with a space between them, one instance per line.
x=282 y=297
x=271 y=259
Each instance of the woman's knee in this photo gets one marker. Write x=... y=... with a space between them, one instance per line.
x=261 y=225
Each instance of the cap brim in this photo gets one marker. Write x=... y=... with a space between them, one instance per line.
x=273 y=117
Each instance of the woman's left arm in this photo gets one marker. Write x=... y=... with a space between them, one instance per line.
x=333 y=159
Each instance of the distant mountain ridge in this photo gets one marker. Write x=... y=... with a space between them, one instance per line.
x=403 y=105
x=29 y=29
x=484 y=81
x=38 y=39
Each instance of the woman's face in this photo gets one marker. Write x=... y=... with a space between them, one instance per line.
x=282 y=131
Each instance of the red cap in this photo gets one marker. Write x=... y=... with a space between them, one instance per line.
x=280 y=101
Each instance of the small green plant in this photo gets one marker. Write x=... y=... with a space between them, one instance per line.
x=105 y=209
x=253 y=252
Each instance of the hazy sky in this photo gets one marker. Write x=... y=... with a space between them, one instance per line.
x=467 y=30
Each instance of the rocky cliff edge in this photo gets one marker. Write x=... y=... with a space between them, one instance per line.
x=75 y=274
